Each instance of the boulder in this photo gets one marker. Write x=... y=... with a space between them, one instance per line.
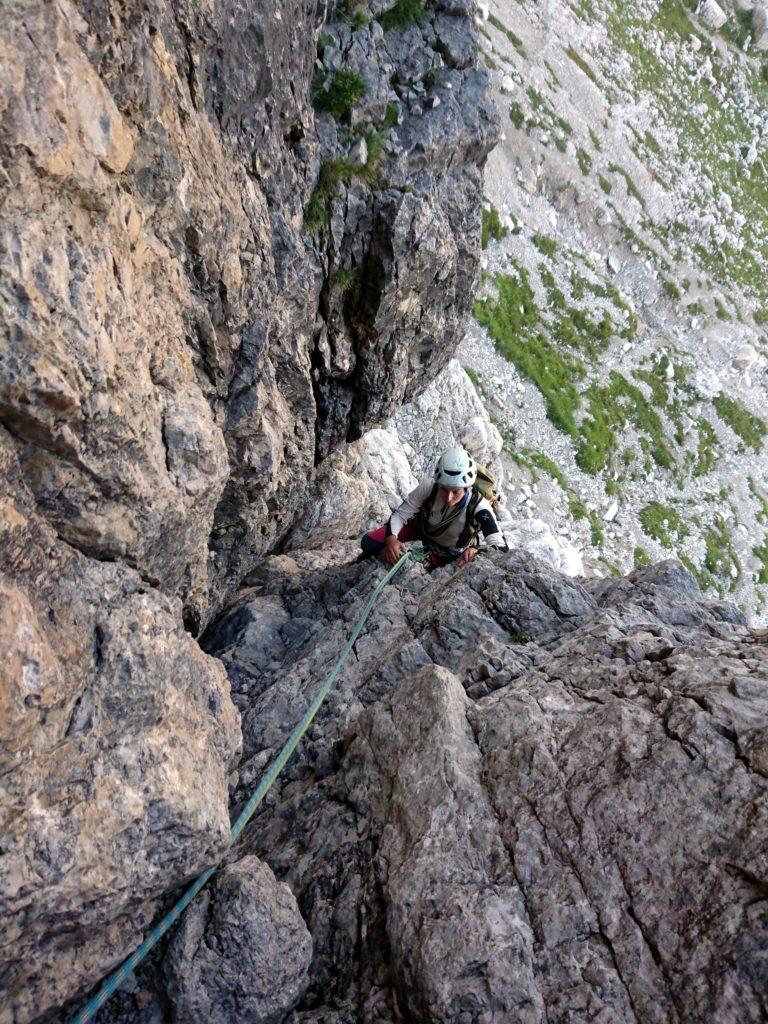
x=760 y=27
x=242 y=951
x=711 y=13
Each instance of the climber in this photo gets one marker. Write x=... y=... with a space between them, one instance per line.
x=444 y=512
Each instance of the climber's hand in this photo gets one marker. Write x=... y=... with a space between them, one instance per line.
x=465 y=556
x=393 y=549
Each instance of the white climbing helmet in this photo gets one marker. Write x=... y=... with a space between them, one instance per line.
x=456 y=468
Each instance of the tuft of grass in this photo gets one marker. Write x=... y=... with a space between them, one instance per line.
x=332 y=172
x=762 y=514
x=585 y=160
x=671 y=289
x=579 y=61
x=548 y=466
x=403 y=14
x=344 y=280
x=391 y=116
x=595 y=140
x=761 y=551
x=501 y=27
x=720 y=558
x=546 y=246
x=605 y=185
x=632 y=189
x=707 y=449
x=516 y=114
x=641 y=558
x=338 y=93
x=750 y=428
x=472 y=376
x=492 y=226
x=661 y=522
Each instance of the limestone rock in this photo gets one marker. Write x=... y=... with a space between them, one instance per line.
x=350 y=488
x=711 y=13
x=745 y=357
x=536 y=537
x=760 y=27
x=165 y=397
x=166 y=381
x=116 y=742
x=499 y=774
x=242 y=951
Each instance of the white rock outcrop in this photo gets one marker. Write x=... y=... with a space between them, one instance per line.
x=760 y=27
x=712 y=14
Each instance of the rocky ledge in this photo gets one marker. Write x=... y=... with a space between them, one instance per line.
x=527 y=799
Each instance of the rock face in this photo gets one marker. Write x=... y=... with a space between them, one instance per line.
x=165 y=393
x=241 y=952
x=178 y=354
x=117 y=737
x=357 y=487
x=527 y=798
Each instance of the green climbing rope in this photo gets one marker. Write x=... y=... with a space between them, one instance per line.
x=118 y=977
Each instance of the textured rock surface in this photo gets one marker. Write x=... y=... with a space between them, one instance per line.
x=357 y=487
x=172 y=367
x=117 y=736
x=242 y=951
x=527 y=798
x=164 y=396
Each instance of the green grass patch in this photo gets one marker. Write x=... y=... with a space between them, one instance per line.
x=512 y=320
x=501 y=27
x=632 y=189
x=472 y=376
x=663 y=523
x=391 y=117
x=641 y=558
x=595 y=140
x=339 y=92
x=548 y=466
x=610 y=408
x=671 y=289
x=403 y=14
x=605 y=185
x=580 y=63
x=584 y=159
x=720 y=559
x=708 y=446
x=546 y=246
x=344 y=280
x=762 y=513
x=761 y=551
x=750 y=428
x=555 y=80
x=516 y=114
x=492 y=226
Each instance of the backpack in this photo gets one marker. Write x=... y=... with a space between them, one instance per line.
x=485 y=487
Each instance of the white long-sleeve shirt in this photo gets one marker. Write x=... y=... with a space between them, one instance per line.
x=438 y=512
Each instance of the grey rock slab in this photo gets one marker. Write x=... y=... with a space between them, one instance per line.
x=241 y=953
x=485 y=825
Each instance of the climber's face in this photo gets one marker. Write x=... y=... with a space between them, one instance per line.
x=451 y=495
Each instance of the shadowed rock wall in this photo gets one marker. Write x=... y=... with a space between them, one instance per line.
x=174 y=362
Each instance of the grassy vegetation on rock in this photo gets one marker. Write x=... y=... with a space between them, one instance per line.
x=750 y=428
x=338 y=92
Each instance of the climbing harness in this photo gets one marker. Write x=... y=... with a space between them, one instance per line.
x=118 y=977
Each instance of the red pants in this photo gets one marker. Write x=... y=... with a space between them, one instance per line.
x=373 y=542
